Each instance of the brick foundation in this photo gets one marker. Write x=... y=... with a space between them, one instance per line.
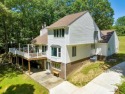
x=74 y=65
x=70 y=67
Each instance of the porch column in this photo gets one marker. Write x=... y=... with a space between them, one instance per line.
x=22 y=64
x=29 y=67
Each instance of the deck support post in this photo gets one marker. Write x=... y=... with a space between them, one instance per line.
x=22 y=64
x=29 y=67
x=28 y=50
x=19 y=46
x=16 y=60
x=44 y=64
x=11 y=59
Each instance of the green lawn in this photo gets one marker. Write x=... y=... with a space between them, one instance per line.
x=89 y=71
x=12 y=81
x=122 y=44
x=121 y=87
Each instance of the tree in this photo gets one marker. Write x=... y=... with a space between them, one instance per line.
x=120 y=21
x=5 y=14
x=120 y=26
x=21 y=20
x=100 y=10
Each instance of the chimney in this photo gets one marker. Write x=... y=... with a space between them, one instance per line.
x=44 y=24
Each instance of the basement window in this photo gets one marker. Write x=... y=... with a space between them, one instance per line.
x=56 y=65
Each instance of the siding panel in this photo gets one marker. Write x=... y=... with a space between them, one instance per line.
x=82 y=30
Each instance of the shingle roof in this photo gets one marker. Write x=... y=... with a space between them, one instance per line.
x=106 y=35
x=43 y=39
x=67 y=20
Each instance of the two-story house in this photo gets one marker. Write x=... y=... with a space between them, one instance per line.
x=73 y=39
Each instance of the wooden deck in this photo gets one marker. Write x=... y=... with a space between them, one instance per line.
x=27 y=56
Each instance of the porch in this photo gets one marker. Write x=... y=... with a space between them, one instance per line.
x=26 y=54
x=29 y=51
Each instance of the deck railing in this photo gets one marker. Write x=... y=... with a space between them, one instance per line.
x=27 y=54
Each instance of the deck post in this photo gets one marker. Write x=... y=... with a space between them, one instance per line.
x=11 y=59
x=28 y=50
x=29 y=66
x=16 y=59
x=37 y=54
x=19 y=46
x=22 y=64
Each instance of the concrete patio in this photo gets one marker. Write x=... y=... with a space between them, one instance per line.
x=46 y=79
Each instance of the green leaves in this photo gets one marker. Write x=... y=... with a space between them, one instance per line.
x=24 y=18
x=120 y=21
x=120 y=26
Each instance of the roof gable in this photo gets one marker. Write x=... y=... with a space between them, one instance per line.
x=66 y=20
x=43 y=39
x=106 y=35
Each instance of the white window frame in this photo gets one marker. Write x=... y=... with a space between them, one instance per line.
x=59 y=33
x=44 y=48
x=58 y=54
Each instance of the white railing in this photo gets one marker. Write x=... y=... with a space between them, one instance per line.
x=12 y=50
x=26 y=54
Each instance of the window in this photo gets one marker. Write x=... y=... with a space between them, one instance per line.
x=59 y=52
x=74 y=51
x=59 y=33
x=56 y=51
x=44 y=48
x=56 y=65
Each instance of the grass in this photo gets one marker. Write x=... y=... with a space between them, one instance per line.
x=89 y=71
x=122 y=44
x=12 y=81
x=121 y=88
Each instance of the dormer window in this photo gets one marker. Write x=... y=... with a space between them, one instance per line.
x=59 y=33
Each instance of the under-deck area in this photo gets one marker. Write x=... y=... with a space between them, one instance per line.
x=32 y=64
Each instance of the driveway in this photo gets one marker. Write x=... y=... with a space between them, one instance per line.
x=63 y=88
x=103 y=84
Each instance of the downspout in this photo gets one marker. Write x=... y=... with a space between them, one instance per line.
x=65 y=64
x=65 y=70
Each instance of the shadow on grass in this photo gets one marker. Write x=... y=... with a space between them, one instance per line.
x=8 y=71
x=119 y=59
x=20 y=89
